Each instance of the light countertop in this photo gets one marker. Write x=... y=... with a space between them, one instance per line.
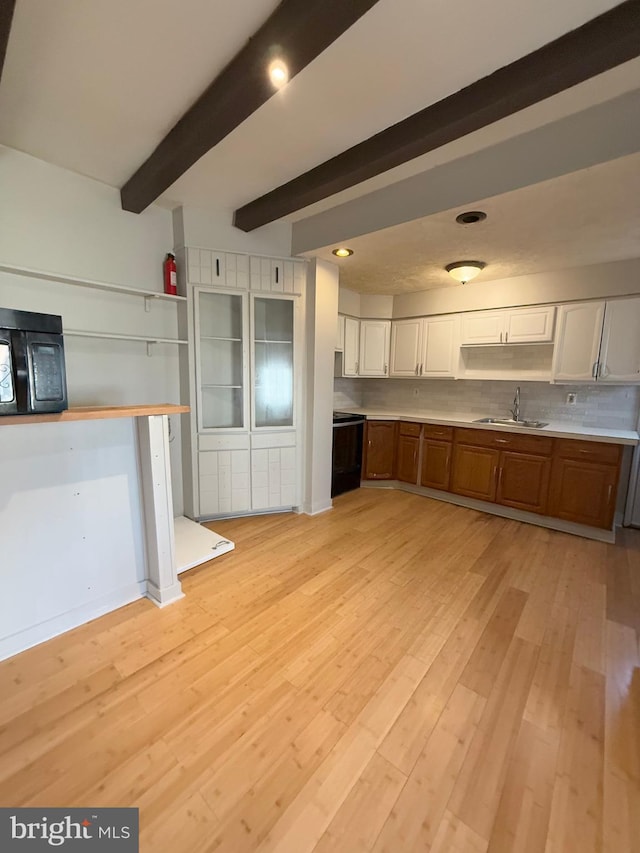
x=555 y=429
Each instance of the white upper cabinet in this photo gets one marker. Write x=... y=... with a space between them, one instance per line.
x=440 y=346
x=485 y=327
x=351 y=347
x=575 y=357
x=340 y=334
x=374 y=347
x=619 y=360
x=515 y=326
x=530 y=325
x=406 y=347
x=426 y=346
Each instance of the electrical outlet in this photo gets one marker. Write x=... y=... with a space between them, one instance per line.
x=571 y=398
x=416 y=392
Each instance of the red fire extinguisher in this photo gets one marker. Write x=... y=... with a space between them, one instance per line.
x=170 y=275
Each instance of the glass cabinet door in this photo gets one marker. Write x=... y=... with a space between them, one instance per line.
x=273 y=362
x=220 y=338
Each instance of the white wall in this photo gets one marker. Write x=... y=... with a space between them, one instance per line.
x=322 y=310
x=620 y=278
x=70 y=526
x=56 y=221
x=211 y=228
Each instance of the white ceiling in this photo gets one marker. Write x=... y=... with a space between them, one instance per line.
x=94 y=85
x=586 y=217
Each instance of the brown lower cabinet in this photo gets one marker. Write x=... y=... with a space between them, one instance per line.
x=523 y=481
x=512 y=470
x=408 y=451
x=437 y=449
x=380 y=450
x=570 y=479
x=584 y=482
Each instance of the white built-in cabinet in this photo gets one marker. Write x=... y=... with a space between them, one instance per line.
x=598 y=342
x=513 y=326
x=245 y=375
x=425 y=346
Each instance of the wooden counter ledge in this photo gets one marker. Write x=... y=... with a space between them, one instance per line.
x=93 y=413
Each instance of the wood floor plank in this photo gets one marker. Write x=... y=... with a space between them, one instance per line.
x=416 y=816
x=478 y=788
x=399 y=674
x=575 y=824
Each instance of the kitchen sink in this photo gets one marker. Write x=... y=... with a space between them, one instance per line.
x=511 y=422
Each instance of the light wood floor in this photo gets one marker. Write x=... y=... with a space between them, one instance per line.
x=396 y=675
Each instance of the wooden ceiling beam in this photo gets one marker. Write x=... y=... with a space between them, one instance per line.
x=6 y=17
x=297 y=31
x=602 y=43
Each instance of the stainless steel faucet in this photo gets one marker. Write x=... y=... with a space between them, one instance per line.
x=515 y=411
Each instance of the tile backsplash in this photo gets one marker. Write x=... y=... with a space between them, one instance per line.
x=603 y=406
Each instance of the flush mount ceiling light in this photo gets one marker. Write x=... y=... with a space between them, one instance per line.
x=464 y=271
x=278 y=73
x=342 y=252
x=470 y=217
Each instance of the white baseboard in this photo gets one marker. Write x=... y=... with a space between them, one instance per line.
x=317 y=509
x=36 y=634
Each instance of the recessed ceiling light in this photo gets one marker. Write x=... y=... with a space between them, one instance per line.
x=342 y=252
x=278 y=73
x=469 y=217
x=464 y=271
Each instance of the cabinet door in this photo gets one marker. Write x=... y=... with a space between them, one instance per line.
x=575 y=355
x=436 y=464
x=273 y=477
x=620 y=352
x=406 y=347
x=440 y=346
x=523 y=481
x=374 y=347
x=380 y=450
x=220 y=345
x=224 y=482
x=351 y=347
x=407 y=459
x=584 y=492
x=273 y=376
x=474 y=472
x=340 y=334
x=530 y=325
x=484 y=327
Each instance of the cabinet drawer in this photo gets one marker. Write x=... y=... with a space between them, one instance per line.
x=408 y=428
x=444 y=433
x=505 y=441
x=608 y=454
x=223 y=442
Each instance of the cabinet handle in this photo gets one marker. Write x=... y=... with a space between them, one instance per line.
x=276 y=273
x=594 y=370
x=502 y=441
x=499 y=477
x=218 y=267
x=385 y=369
x=421 y=366
x=506 y=337
x=417 y=366
x=500 y=337
x=357 y=365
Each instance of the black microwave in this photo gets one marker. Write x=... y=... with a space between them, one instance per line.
x=32 y=368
